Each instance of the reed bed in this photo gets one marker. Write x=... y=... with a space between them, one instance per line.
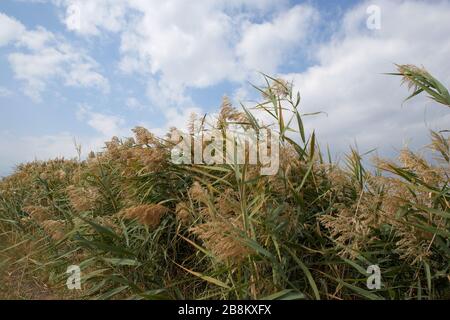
x=141 y=227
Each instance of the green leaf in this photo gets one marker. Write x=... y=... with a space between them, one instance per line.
x=286 y=294
x=307 y=273
x=365 y=293
x=206 y=278
x=112 y=293
x=122 y=262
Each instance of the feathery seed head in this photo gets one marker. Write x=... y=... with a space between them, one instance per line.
x=147 y=214
x=223 y=240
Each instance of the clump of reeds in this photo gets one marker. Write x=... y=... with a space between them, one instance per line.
x=227 y=232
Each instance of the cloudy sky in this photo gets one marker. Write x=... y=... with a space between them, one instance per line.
x=91 y=69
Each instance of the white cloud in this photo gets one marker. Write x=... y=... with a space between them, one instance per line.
x=265 y=46
x=181 y=45
x=45 y=56
x=35 y=69
x=82 y=73
x=363 y=105
x=37 y=39
x=10 y=29
x=91 y=17
x=106 y=125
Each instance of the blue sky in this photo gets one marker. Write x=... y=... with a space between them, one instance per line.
x=88 y=70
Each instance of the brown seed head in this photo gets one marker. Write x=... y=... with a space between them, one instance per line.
x=223 y=240
x=147 y=214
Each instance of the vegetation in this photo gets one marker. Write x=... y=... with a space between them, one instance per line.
x=141 y=227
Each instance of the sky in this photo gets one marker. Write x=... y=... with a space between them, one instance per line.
x=82 y=71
